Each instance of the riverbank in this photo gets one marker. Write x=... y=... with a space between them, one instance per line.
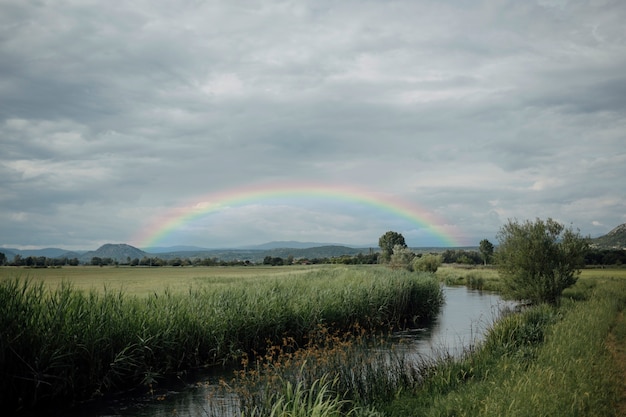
x=544 y=361
x=60 y=344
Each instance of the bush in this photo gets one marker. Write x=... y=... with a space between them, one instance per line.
x=538 y=260
x=427 y=263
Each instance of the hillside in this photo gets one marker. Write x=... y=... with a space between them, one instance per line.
x=615 y=239
x=120 y=252
x=257 y=255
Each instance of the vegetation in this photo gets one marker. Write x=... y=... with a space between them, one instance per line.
x=427 y=262
x=486 y=250
x=538 y=260
x=65 y=344
x=461 y=256
x=546 y=361
x=390 y=242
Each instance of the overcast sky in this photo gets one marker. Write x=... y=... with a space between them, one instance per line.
x=113 y=114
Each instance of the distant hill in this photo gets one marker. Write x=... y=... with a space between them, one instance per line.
x=615 y=239
x=47 y=252
x=257 y=255
x=292 y=244
x=120 y=252
x=170 y=249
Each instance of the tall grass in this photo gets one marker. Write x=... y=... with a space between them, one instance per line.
x=473 y=277
x=66 y=344
x=545 y=361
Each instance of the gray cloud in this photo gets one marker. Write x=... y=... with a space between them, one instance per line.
x=112 y=115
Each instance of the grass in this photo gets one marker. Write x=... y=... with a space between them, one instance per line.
x=143 y=281
x=474 y=277
x=568 y=360
x=60 y=343
x=545 y=361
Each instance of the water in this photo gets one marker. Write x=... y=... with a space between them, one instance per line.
x=462 y=321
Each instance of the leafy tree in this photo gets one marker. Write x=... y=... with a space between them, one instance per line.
x=388 y=241
x=3 y=258
x=427 y=263
x=538 y=260
x=402 y=257
x=486 y=250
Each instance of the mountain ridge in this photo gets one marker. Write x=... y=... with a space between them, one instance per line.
x=615 y=239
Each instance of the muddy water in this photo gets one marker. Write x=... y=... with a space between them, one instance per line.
x=463 y=319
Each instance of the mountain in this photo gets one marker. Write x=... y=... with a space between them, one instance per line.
x=257 y=255
x=24 y=253
x=169 y=249
x=120 y=252
x=615 y=239
x=291 y=244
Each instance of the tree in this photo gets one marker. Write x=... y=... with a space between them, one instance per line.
x=427 y=263
x=486 y=250
x=388 y=241
x=538 y=260
x=402 y=257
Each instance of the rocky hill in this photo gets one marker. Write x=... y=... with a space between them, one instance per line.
x=615 y=239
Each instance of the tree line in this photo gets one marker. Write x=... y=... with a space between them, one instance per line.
x=593 y=258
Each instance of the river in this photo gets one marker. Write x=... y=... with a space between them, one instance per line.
x=462 y=321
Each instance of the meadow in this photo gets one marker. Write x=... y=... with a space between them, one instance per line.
x=70 y=334
x=545 y=361
x=303 y=337
x=142 y=281
x=566 y=360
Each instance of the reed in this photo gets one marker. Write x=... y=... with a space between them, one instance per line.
x=64 y=344
x=363 y=372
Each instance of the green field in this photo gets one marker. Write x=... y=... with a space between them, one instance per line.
x=145 y=280
x=70 y=334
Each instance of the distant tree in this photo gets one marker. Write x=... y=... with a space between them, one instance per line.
x=428 y=262
x=17 y=260
x=274 y=261
x=3 y=258
x=388 y=241
x=402 y=257
x=538 y=260
x=486 y=251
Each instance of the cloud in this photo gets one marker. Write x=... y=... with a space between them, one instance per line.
x=111 y=116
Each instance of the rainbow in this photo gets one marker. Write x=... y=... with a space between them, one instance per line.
x=167 y=223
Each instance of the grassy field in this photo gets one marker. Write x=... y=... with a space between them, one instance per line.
x=137 y=323
x=546 y=361
x=565 y=361
x=72 y=336
x=145 y=281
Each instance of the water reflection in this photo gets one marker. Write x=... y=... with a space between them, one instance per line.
x=462 y=321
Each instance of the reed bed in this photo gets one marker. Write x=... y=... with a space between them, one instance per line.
x=64 y=344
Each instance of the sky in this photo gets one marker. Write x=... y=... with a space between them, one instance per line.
x=117 y=118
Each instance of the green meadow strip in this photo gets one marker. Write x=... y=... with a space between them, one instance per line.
x=62 y=345
x=545 y=361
